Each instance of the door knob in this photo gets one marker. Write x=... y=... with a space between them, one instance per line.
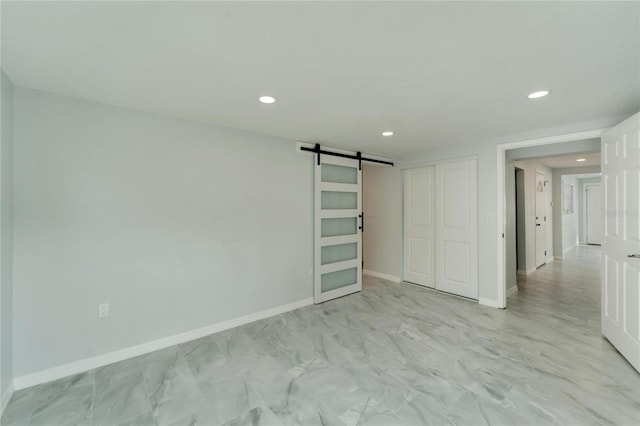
x=635 y=256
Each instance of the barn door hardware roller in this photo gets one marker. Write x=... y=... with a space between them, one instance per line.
x=318 y=150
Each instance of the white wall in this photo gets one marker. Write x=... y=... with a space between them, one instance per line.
x=382 y=205
x=570 y=220
x=176 y=224
x=6 y=235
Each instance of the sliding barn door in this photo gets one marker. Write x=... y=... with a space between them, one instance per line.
x=338 y=228
x=457 y=228
x=621 y=242
x=419 y=231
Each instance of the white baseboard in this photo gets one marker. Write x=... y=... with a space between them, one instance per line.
x=381 y=275
x=488 y=302
x=512 y=290
x=527 y=272
x=550 y=259
x=558 y=257
x=145 y=348
x=6 y=397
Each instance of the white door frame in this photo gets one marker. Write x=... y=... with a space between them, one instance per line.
x=543 y=220
x=584 y=208
x=501 y=199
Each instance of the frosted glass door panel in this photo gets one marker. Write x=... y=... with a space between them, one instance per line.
x=338 y=226
x=339 y=279
x=339 y=253
x=339 y=174
x=334 y=200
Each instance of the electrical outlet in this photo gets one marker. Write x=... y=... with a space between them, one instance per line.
x=103 y=310
x=310 y=270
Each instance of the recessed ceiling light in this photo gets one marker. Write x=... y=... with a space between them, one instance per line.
x=387 y=133
x=539 y=94
x=267 y=99
x=580 y=160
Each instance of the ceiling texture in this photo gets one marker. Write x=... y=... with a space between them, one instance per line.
x=435 y=73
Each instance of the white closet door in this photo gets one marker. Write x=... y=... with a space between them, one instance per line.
x=457 y=228
x=338 y=228
x=419 y=226
x=541 y=221
x=621 y=243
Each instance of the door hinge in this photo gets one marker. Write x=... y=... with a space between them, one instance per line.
x=545 y=252
x=503 y=235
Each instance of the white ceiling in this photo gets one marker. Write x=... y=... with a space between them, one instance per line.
x=342 y=72
x=566 y=161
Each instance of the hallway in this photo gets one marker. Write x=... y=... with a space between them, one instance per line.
x=563 y=292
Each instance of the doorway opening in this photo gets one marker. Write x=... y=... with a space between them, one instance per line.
x=617 y=308
x=542 y=163
x=537 y=227
x=592 y=218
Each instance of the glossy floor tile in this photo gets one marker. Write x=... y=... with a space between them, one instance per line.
x=394 y=354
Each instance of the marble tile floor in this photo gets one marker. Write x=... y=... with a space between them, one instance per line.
x=394 y=354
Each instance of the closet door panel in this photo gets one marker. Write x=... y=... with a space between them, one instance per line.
x=456 y=228
x=419 y=226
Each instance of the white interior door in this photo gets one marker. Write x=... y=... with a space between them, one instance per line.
x=541 y=221
x=594 y=218
x=456 y=202
x=338 y=228
x=419 y=226
x=621 y=241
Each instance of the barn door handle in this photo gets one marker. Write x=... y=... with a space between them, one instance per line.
x=361 y=227
x=634 y=256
